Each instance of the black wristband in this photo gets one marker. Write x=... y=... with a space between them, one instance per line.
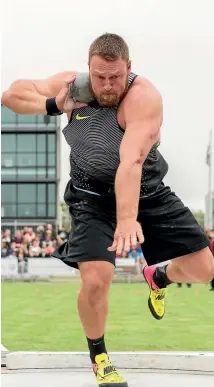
x=51 y=107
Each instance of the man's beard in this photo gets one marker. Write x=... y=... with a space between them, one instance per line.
x=110 y=99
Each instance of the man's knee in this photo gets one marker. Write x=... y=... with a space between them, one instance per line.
x=96 y=280
x=206 y=276
x=208 y=272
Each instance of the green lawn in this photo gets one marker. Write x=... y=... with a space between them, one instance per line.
x=43 y=317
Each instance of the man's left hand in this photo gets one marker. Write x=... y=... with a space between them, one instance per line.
x=127 y=236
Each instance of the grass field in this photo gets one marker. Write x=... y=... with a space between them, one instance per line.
x=43 y=317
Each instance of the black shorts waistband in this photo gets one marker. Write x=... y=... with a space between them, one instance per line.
x=98 y=188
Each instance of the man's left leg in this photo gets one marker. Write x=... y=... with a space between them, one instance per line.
x=172 y=236
x=192 y=268
x=196 y=267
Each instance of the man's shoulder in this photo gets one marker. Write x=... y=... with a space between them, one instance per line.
x=143 y=86
x=142 y=93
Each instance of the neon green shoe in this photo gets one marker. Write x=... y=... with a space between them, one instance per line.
x=156 y=301
x=106 y=373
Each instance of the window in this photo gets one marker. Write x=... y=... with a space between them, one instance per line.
x=41 y=159
x=51 y=159
x=26 y=142
x=26 y=159
x=41 y=142
x=26 y=210
x=8 y=200
x=51 y=119
x=41 y=193
x=8 y=193
x=7 y=116
x=28 y=200
x=8 y=142
x=26 y=193
x=51 y=143
x=8 y=172
x=42 y=122
x=8 y=211
x=29 y=155
x=8 y=160
x=51 y=193
x=27 y=119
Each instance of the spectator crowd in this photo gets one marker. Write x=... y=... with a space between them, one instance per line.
x=27 y=243
x=42 y=242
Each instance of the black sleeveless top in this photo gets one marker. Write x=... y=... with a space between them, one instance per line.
x=94 y=137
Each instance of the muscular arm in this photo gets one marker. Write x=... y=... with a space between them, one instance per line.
x=29 y=97
x=143 y=118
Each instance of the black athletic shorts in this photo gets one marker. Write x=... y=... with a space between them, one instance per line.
x=169 y=228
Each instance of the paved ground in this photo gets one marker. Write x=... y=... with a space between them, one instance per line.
x=56 y=378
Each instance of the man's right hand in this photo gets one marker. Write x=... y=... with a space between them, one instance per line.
x=29 y=97
x=65 y=103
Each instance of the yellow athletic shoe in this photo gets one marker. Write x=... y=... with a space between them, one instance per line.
x=106 y=373
x=156 y=301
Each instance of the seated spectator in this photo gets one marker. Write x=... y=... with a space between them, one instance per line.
x=26 y=240
x=138 y=256
x=4 y=249
x=63 y=234
x=43 y=249
x=35 y=249
x=48 y=238
x=50 y=228
x=38 y=236
x=18 y=238
x=25 y=231
x=59 y=241
x=28 y=243
x=22 y=261
x=13 y=250
x=47 y=249
x=31 y=233
x=40 y=229
x=6 y=236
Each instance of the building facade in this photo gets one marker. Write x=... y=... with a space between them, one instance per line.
x=30 y=173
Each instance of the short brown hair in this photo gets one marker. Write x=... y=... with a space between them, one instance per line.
x=110 y=47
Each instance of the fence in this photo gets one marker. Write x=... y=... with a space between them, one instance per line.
x=47 y=267
x=17 y=225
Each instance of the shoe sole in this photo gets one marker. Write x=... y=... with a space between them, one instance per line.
x=151 y=308
x=124 y=384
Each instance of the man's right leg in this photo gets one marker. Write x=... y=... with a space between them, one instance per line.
x=93 y=309
x=93 y=297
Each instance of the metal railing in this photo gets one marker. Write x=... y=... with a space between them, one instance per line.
x=19 y=225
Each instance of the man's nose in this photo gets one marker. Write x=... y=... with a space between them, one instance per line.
x=107 y=86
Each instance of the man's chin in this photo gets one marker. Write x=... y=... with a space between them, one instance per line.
x=107 y=102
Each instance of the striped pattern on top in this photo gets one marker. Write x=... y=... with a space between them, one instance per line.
x=94 y=137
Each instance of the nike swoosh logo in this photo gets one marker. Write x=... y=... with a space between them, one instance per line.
x=97 y=343
x=78 y=117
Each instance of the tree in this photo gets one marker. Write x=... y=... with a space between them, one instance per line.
x=65 y=216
